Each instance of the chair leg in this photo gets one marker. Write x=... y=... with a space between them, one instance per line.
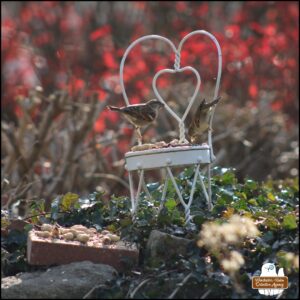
x=204 y=190
x=146 y=189
x=141 y=180
x=164 y=192
x=135 y=198
x=210 y=206
x=207 y=193
x=131 y=193
x=186 y=206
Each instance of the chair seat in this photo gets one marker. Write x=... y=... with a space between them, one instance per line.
x=171 y=156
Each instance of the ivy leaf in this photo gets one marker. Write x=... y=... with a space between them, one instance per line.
x=125 y=222
x=271 y=196
x=272 y=223
x=253 y=202
x=240 y=205
x=68 y=201
x=176 y=219
x=199 y=219
x=289 y=222
x=4 y=222
x=153 y=186
x=251 y=184
x=170 y=204
x=28 y=227
x=228 y=178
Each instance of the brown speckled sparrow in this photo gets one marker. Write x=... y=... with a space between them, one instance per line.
x=199 y=124
x=140 y=115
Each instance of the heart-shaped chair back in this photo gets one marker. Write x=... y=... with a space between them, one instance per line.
x=176 y=69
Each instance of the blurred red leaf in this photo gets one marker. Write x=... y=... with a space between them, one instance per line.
x=253 y=91
x=100 y=32
x=109 y=60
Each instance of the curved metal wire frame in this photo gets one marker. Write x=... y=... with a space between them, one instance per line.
x=177 y=68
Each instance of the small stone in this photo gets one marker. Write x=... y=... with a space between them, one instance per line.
x=106 y=240
x=46 y=227
x=161 y=144
x=92 y=230
x=113 y=237
x=104 y=232
x=64 y=230
x=68 y=236
x=162 y=246
x=143 y=147
x=174 y=142
x=83 y=238
x=79 y=228
x=77 y=232
x=43 y=234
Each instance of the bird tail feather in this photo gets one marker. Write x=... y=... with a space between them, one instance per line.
x=113 y=108
x=215 y=101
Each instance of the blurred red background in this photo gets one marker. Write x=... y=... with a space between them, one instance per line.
x=78 y=46
x=70 y=44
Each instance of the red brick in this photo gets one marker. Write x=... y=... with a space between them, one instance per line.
x=50 y=251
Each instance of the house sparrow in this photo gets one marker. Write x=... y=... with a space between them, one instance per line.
x=140 y=115
x=200 y=123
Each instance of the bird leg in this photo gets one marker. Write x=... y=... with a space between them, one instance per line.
x=210 y=128
x=139 y=135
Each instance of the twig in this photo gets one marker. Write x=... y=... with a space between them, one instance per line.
x=138 y=287
x=109 y=176
x=181 y=284
x=75 y=139
x=12 y=139
x=55 y=108
x=205 y=294
x=89 y=293
x=131 y=295
x=47 y=213
x=22 y=193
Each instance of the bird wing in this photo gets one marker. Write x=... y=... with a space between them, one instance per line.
x=135 y=112
x=201 y=110
x=196 y=119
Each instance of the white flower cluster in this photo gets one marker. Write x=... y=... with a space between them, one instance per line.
x=292 y=260
x=233 y=262
x=217 y=237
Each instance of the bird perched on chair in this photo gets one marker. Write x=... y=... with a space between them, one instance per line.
x=140 y=115
x=200 y=123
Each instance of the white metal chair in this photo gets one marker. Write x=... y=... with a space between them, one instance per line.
x=166 y=158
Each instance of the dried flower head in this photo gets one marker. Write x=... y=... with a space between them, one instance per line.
x=218 y=236
x=233 y=262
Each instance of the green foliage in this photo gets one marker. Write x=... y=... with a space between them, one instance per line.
x=273 y=205
x=289 y=221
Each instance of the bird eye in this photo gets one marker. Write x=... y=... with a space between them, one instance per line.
x=271 y=267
